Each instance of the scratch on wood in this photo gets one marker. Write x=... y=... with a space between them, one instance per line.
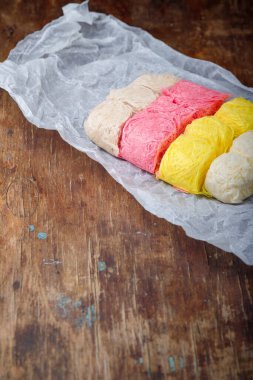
x=51 y=261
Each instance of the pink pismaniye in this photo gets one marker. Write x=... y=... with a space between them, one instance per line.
x=147 y=134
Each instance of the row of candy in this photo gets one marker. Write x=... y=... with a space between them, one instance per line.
x=196 y=161
x=106 y=120
x=144 y=123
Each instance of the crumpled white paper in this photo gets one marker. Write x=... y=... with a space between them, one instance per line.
x=58 y=74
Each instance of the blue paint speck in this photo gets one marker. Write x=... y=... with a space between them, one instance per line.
x=181 y=362
x=42 y=235
x=172 y=364
x=63 y=307
x=79 y=322
x=74 y=311
x=101 y=266
x=77 y=304
x=90 y=315
x=64 y=300
x=31 y=228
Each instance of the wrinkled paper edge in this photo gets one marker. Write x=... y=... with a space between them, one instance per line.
x=80 y=12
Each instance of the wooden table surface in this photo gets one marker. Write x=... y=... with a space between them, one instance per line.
x=110 y=291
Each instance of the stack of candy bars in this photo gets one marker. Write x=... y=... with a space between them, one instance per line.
x=181 y=132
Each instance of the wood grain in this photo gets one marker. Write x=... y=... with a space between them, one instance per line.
x=91 y=285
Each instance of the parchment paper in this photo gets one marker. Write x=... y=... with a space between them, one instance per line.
x=58 y=74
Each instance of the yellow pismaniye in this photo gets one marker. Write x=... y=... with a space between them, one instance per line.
x=189 y=157
x=238 y=114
